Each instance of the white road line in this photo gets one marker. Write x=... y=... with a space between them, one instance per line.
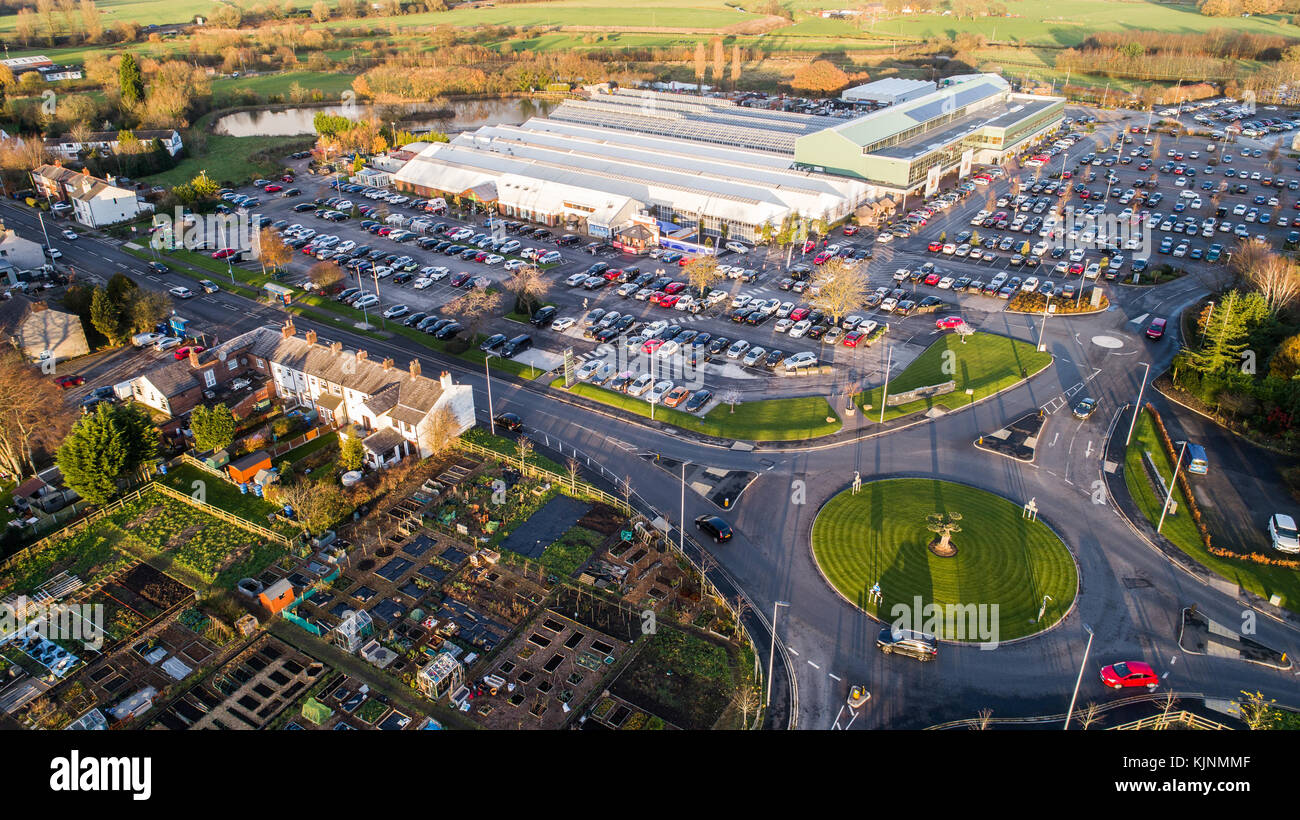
x=791 y=651
x=814 y=666
x=834 y=677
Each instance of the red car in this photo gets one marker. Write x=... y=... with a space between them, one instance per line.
x=272 y=188
x=684 y=261
x=651 y=345
x=821 y=258
x=669 y=301
x=481 y=255
x=657 y=297
x=225 y=253
x=384 y=231
x=287 y=178
x=612 y=274
x=69 y=381
x=949 y=322
x=1129 y=673
x=1076 y=267
x=674 y=288
x=935 y=246
x=798 y=314
x=1156 y=330
x=809 y=246
x=852 y=338
x=933 y=279
x=850 y=230
x=184 y=352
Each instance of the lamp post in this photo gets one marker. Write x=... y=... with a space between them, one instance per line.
x=771 y=655
x=1138 y=408
x=1043 y=327
x=681 y=528
x=884 y=393
x=1082 y=666
x=1170 y=493
x=492 y=422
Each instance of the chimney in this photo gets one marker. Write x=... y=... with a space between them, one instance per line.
x=336 y=348
x=388 y=364
x=445 y=378
x=38 y=306
x=286 y=330
x=194 y=357
x=415 y=368
x=311 y=337
x=362 y=355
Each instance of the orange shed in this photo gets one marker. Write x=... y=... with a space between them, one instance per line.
x=243 y=469
x=277 y=596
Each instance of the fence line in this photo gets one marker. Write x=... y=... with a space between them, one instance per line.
x=76 y=526
x=217 y=512
x=1183 y=717
x=535 y=471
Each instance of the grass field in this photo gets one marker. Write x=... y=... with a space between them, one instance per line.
x=228 y=160
x=768 y=420
x=880 y=536
x=986 y=364
x=330 y=85
x=1181 y=530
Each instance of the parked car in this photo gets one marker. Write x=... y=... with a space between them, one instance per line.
x=1282 y=533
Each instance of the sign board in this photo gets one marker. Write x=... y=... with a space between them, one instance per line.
x=932 y=181
x=1096 y=297
x=569 y=378
x=967 y=157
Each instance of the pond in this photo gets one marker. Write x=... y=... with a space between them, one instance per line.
x=450 y=117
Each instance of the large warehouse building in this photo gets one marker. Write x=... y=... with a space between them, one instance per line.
x=644 y=167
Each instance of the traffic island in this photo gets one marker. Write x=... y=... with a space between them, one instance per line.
x=1018 y=440
x=1201 y=636
x=1011 y=576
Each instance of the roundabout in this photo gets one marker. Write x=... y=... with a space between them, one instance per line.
x=884 y=549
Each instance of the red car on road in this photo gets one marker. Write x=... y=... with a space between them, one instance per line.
x=69 y=381
x=850 y=230
x=1157 y=329
x=1128 y=674
x=949 y=322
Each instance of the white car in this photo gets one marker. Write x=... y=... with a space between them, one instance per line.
x=885 y=238
x=181 y=293
x=421 y=283
x=667 y=349
x=946 y=283
x=1282 y=532
x=369 y=300
x=784 y=310
x=146 y=339
x=740 y=301
x=395 y=311
x=782 y=325
x=562 y=324
x=641 y=384
x=737 y=247
x=1029 y=285
x=576 y=280
x=513 y=265
x=799 y=360
x=737 y=349
x=71 y=235
x=494 y=259
x=383 y=271
x=588 y=369
x=888 y=304
x=166 y=343
x=658 y=392
x=800 y=328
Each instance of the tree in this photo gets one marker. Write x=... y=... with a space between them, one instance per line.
x=272 y=251
x=523 y=448
x=214 y=428
x=731 y=397
x=33 y=416
x=324 y=275
x=944 y=525
x=473 y=307
x=529 y=286
x=819 y=77
x=1285 y=363
x=841 y=289
x=147 y=309
x=699 y=67
x=735 y=65
x=103 y=448
x=440 y=431
x=130 y=81
x=701 y=273
x=1277 y=279
x=1248 y=255
x=719 y=61
x=320 y=11
x=1224 y=339
x=107 y=316
x=315 y=504
x=352 y=453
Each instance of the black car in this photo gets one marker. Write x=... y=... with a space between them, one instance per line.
x=697 y=400
x=449 y=331
x=493 y=342
x=433 y=325
x=510 y=421
x=906 y=642
x=773 y=358
x=158 y=267
x=415 y=319
x=717 y=346
x=303 y=206
x=544 y=316
x=715 y=527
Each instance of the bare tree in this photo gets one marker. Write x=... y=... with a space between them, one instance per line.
x=1277 y=279
x=572 y=466
x=439 y=432
x=982 y=722
x=529 y=286
x=474 y=307
x=324 y=275
x=1248 y=255
x=524 y=449
x=701 y=273
x=841 y=289
x=1090 y=715
x=33 y=416
x=732 y=397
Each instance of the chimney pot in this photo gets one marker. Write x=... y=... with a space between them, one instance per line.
x=311 y=337
x=362 y=355
x=415 y=367
x=336 y=348
x=388 y=364
x=445 y=378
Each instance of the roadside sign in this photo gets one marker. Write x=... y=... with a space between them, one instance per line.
x=569 y=377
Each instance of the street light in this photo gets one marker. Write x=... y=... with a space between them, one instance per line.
x=681 y=529
x=1170 y=493
x=1043 y=327
x=884 y=393
x=771 y=655
x=1138 y=408
x=492 y=422
x=1082 y=666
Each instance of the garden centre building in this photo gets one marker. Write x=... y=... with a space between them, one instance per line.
x=701 y=167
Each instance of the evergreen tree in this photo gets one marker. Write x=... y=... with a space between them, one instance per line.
x=130 y=80
x=103 y=448
x=106 y=316
x=214 y=428
x=351 y=453
x=1225 y=338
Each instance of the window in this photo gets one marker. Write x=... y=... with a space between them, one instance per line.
x=210 y=377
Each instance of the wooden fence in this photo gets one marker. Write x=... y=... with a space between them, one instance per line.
x=1179 y=718
x=534 y=471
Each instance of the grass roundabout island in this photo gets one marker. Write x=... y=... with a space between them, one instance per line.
x=891 y=533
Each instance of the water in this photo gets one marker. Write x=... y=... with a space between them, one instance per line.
x=465 y=115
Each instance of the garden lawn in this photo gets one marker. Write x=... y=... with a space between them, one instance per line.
x=223 y=494
x=765 y=420
x=1181 y=530
x=568 y=552
x=230 y=160
x=985 y=364
x=880 y=536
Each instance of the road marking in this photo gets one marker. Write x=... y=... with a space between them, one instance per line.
x=1088 y=453
x=1054 y=438
x=791 y=651
x=814 y=666
x=834 y=677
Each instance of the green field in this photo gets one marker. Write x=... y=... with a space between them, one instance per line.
x=880 y=536
x=985 y=364
x=228 y=160
x=768 y=420
x=225 y=90
x=1181 y=530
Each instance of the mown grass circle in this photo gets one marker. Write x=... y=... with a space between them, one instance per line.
x=879 y=536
